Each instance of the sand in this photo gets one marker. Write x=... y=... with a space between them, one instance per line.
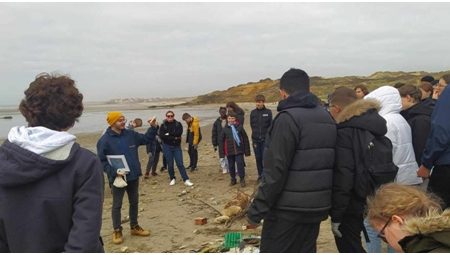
x=170 y=215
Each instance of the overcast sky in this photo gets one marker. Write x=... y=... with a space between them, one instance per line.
x=149 y=50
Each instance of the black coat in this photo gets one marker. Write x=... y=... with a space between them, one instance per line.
x=298 y=163
x=419 y=119
x=170 y=133
x=353 y=122
x=227 y=145
x=260 y=121
x=216 y=131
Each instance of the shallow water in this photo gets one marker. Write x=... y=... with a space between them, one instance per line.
x=95 y=121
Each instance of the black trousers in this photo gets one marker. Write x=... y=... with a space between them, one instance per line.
x=193 y=156
x=351 y=228
x=440 y=183
x=280 y=235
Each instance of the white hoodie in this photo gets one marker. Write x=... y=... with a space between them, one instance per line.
x=46 y=142
x=399 y=132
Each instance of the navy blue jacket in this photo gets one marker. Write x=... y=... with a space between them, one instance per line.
x=437 y=149
x=50 y=205
x=126 y=143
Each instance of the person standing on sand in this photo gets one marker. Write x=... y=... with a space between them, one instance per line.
x=120 y=141
x=218 y=126
x=51 y=189
x=260 y=121
x=294 y=195
x=234 y=145
x=170 y=133
x=193 y=138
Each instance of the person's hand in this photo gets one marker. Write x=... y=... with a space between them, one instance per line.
x=423 y=172
x=152 y=121
x=215 y=148
x=335 y=229
x=435 y=94
x=121 y=172
x=195 y=146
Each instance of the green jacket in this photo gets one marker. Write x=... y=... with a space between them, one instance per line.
x=430 y=234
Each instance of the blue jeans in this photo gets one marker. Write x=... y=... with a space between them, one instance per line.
x=258 y=148
x=174 y=152
x=374 y=246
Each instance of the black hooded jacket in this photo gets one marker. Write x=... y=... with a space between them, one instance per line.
x=50 y=205
x=419 y=119
x=352 y=124
x=298 y=163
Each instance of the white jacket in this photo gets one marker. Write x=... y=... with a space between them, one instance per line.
x=399 y=132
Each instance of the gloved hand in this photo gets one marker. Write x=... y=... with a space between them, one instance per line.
x=121 y=172
x=215 y=148
x=335 y=229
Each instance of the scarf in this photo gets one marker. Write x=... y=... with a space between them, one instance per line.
x=235 y=135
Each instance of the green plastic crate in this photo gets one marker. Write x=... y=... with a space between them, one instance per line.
x=232 y=239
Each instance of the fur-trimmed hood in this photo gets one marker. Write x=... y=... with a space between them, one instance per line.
x=363 y=114
x=357 y=108
x=433 y=222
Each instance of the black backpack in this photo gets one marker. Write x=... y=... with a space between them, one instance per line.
x=376 y=165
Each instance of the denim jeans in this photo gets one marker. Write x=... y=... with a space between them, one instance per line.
x=238 y=160
x=132 y=190
x=172 y=153
x=258 y=148
x=374 y=246
x=193 y=156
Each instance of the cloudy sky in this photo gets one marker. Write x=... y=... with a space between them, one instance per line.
x=184 y=49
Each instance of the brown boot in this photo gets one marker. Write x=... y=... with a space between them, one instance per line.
x=117 y=236
x=138 y=231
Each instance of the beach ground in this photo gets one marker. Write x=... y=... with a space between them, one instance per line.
x=169 y=211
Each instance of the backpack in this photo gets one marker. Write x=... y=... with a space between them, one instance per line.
x=376 y=165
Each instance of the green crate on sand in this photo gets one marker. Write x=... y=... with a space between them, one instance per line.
x=232 y=239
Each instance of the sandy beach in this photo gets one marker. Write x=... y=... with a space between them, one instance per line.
x=170 y=215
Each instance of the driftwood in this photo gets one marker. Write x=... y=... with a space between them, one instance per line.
x=212 y=207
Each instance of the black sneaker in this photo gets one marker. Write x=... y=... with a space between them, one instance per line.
x=193 y=169
x=162 y=169
x=233 y=182
x=242 y=181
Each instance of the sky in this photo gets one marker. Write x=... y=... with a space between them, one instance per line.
x=146 y=50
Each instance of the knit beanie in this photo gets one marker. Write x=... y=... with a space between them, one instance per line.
x=113 y=117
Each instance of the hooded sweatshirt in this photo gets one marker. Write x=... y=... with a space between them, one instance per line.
x=429 y=234
x=399 y=132
x=51 y=193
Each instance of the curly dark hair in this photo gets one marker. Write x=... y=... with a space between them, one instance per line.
x=52 y=101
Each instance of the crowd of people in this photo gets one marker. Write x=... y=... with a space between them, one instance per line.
x=377 y=163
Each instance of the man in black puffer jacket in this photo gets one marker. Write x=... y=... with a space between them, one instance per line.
x=295 y=192
x=354 y=118
x=260 y=121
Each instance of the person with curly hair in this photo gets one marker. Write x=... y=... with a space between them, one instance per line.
x=51 y=188
x=409 y=219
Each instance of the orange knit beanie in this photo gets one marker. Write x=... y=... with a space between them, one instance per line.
x=113 y=117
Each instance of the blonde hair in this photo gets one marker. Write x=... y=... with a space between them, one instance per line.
x=395 y=199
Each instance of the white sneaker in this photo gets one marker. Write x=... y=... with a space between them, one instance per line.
x=172 y=182
x=188 y=183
